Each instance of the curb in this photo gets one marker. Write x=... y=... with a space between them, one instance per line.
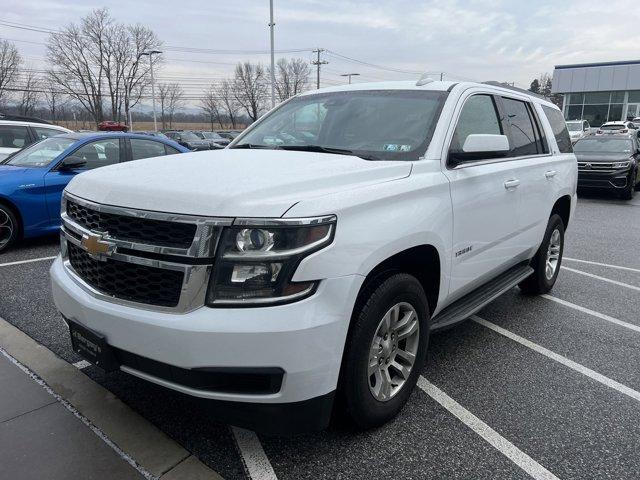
x=156 y=455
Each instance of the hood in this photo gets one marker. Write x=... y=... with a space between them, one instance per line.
x=602 y=157
x=231 y=183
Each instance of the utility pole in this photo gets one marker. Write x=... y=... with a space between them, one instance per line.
x=273 y=73
x=349 y=75
x=317 y=63
x=153 y=87
x=441 y=76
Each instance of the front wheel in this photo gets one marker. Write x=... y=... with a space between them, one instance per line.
x=386 y=350
x=547 y=260
x=629 y=192
x=8 y=228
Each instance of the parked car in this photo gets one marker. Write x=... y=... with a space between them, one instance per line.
x=32 y=180
x=636 y=122
x=17 y=134
x=188 y=140
x=228 y=135
x=578 y=129
x=213 y=137
x=296 y=269
x=111 y=126
x=615 y=128
x=609 y=162
x=150 y=133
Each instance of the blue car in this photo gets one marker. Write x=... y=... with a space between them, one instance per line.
x=32 y=180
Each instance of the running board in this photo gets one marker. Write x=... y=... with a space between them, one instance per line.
x=474 y=301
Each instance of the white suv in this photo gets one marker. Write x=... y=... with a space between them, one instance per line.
x=17 y=134
x=310 y=260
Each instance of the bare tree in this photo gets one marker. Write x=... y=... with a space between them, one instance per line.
x=53 y=97
x=30 y=95
x=171 y=99
x=250 y=88
x=10 y=61
x=228 y=101
x=98 y=59
x=292 y=77
x=210 y=105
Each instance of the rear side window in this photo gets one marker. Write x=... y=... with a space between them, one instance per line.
x=524 y=138
x=559 y=127
x=478 y=116
x=171 y=150
x=146 y=148
x=43 y=132
x=14 y=136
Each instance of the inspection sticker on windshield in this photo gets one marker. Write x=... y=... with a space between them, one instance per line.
x=394 y=147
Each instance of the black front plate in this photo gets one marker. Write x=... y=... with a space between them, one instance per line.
x=92 y=347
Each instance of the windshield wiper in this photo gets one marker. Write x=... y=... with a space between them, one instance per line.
x=321 y=149
x=255 y=145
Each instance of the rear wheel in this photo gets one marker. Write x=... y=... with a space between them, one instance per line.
x=8 y=228
x=547 y=260
x=386 y=350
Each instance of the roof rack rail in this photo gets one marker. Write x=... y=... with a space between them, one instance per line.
x=515 y=89
x=20 y=118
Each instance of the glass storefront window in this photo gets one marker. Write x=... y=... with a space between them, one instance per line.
x=574 y=112
x=596 y=97
x=576 y=99
x=615 y=112
x=634 y=96
x=596 y=115
x=617 y=97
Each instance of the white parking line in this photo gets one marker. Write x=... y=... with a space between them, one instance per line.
x=82 y=364
x=601 y=264
x=560 y=359
x=255 y=460
x=20 y=262
x=601 y=316
x=608 y=280
x=497 y=441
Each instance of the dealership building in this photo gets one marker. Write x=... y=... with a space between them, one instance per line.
x=599 y=92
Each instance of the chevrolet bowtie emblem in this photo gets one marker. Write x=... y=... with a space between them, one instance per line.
x=96 y=246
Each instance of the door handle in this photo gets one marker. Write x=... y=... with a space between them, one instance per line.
x=550 y=174
x=509 y=184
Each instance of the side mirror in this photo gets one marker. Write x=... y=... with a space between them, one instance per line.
x=72 y=163
x=482 y=146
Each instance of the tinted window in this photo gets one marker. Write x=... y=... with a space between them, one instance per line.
x=559 y=128
x=42 y=132
x=145 y=149
x=523 y=137
x=478 y=116
x=14 y=136
x=171 y=150
x=100 y=153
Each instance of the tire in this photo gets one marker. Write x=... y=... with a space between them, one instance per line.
x=629 y=192
x=366 y=400
x=542 y=280
x=9 y=228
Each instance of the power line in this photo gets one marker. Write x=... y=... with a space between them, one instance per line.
x=317 y=63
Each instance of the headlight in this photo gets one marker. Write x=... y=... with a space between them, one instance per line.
x=257 y=259
x=620 y=164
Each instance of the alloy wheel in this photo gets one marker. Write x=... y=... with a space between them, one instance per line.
x=553 y=254
x=6 y=228
x=393 y=351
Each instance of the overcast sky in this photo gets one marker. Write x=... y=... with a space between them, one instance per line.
x=505 y=40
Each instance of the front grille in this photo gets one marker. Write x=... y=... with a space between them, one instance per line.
x=128 y=281
x=596 y=167
x=133 y=229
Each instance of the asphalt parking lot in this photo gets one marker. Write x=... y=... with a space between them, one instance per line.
x=543 y=387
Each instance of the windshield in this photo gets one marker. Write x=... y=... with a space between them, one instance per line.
x=42 y=153
x=617 y=126
x=574 y=126
x=373 y=124
x=212 y=136
x=603 y=145
x=188 y=136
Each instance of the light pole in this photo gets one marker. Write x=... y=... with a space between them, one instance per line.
x=349 y=75
x=273 y=73
x=153 y=86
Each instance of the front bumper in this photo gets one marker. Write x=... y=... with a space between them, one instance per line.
x=615 y=180
x=304 y=339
